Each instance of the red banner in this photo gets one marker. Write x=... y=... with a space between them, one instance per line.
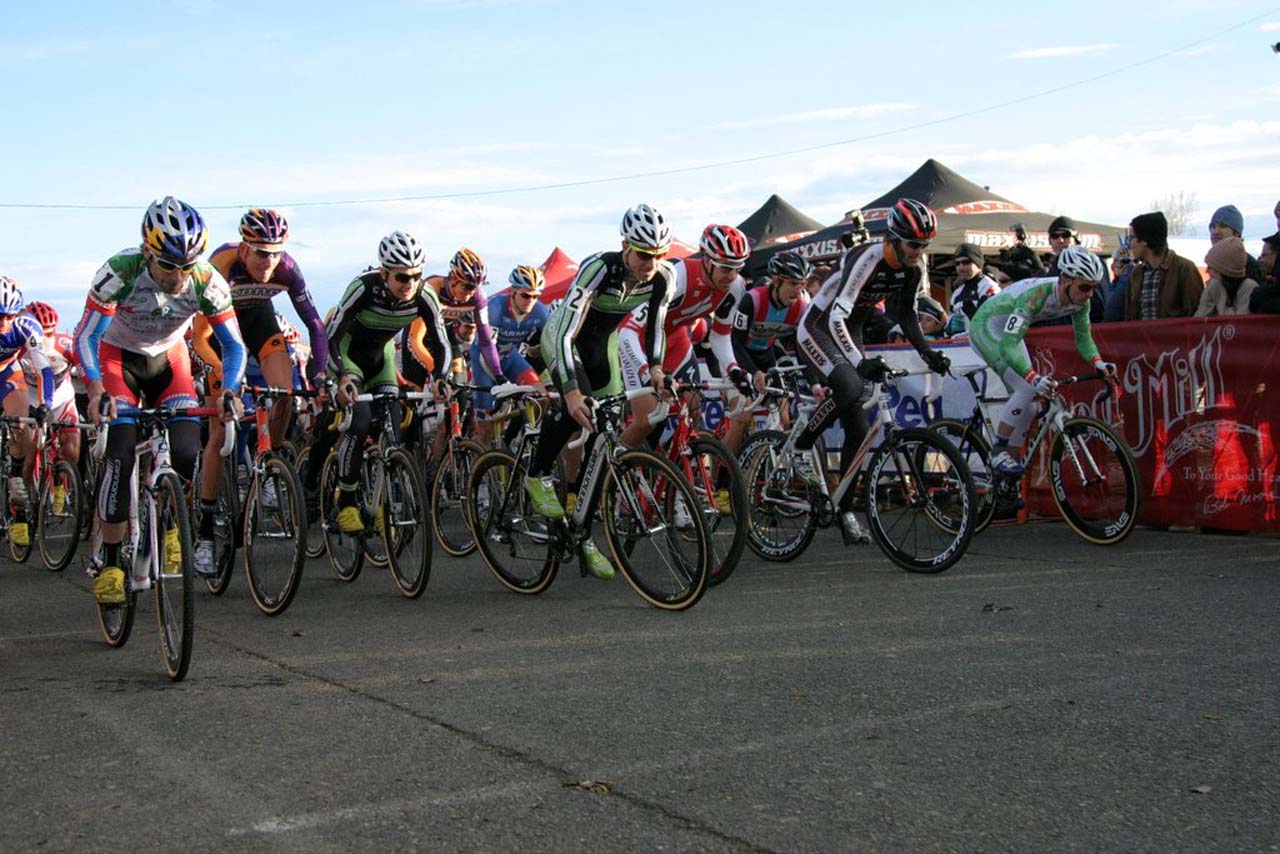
x=1197 y=409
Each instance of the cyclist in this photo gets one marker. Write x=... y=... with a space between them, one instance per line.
x=130 y=344
x=579 y=343
x=59 y=349
x=707 y=284
x=763 y=315
x=378 y=304
x=830 y=332
x=1000 y=324
x=517 y=318
x=20 y=335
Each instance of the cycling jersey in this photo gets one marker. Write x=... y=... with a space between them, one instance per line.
x=1002 y=322
x=248 y=294
x=363 y=328
x=25 y=337
x=603 y=293
x=129 y=311
x=474 y=311
x=830 y=332
x=511 y=333
x=759 y=323
x=59 y=350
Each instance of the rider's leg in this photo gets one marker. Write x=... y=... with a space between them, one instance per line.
x=277 y=370
x=1016 y=416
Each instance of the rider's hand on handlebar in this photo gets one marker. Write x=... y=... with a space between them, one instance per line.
x=1107 y=369
x=1044 y=386
x=40 y=414
x=936 y=360
x=232 y=406
x=347 y=390
x=657 y=378
x=576 y=405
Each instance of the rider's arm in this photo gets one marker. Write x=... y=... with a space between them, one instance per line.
x=850 y=283
x=905 y=313
x=341 y=326
x=108 y=287
x=1084 y=337
x=214 y=297
x=39 y=359
x=415 y=340
x=307 y=313
x=437 y=339
x=484 y=336
x=720 y=338
x=656 y=320
x=568 y=317
x=743 y=314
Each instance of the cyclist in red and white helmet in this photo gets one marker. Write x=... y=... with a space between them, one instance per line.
x=59 y=349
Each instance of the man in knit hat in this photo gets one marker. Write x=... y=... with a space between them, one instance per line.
x=1227 y=221
x=1163 y=283
x=1063 y=233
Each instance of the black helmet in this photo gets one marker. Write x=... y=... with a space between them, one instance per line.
x=912 y=220
x=791 y=265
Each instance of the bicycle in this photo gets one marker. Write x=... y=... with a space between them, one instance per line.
x=158 y=512
x=1097 y=492
x=393 y=501
x=636 y=492
x=60 y=498
x=10 y=503
x=713 y=472
x=450 y=474
x=917 y=489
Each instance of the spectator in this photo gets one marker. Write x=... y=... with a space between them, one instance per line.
x=1063 y=233
x=971 y=288
x=1019 y=261
x=1121 y=268
x=1229 y=289
x=816 y=278
x=1227 y=221
x=932 y=317
x=1163 y=284
x=1266 y=299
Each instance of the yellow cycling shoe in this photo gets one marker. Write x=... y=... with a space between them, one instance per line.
x=722 y=501
x=59 y=499
x=20 y=533
x=570 y=503
x=108 y=587
x=172 y=551
x=349 y=520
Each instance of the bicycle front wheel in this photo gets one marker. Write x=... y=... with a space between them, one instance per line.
x=275 y=539
x=920 y=504
x=174 y=576
x=315 y=529
x=58 y=516
x=406 y=524
x=1095 y=481
x=346 y=551
x=977 y=456
x=448 y=494
x=224 y=527
x=722 y=497
x=780 y=506
x=515 y=542
x=655 y=533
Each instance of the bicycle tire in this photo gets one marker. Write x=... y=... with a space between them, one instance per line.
x=505 y=523
x=942 y=488
x=1118 y=517
x=976 y=451
x=175 y=614
x=406 y=524
x=315 y=528
x=448 y=498
x=767 y=508
x=56 y=555
x=224 y=527
x=346 y=553
x=375 y=553
x=715 y=471
x=18 y=553
x=274 y=579
x=648 y=506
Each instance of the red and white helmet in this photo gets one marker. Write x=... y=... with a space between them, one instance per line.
x=724 y=246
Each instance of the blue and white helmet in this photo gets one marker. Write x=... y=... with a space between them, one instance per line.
x=1079 y=263
x=646 y=229
x=400 y=249
x=11 y=301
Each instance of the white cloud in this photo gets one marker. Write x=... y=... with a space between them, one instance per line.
x=1270 y=27
x=863 y=111
x=1064 y=50
x=1199 y=51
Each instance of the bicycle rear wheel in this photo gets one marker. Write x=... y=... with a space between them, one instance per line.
x=346 y=552
x=274 y=536
x=662 y=549
x=515 y=542
x=174 y=576
x=780 y=518
x=977 y=456
x=58 y=524
x=18 y=553
x=722 y=497
x=920 y=504
x=315 y=527
x=406 y=529
x=448 y=493
x=1095 y=481
x=225 y=525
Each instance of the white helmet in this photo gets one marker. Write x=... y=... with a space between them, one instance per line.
x=10 y=296
x=646 y=229
x=400 y=249
x=1079 y=263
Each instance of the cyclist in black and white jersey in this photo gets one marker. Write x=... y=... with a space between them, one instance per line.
x=829 y=337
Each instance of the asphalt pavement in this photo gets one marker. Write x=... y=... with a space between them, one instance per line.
x=1043 y=695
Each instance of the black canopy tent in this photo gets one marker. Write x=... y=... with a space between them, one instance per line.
x=777 y=221
x=967 y=213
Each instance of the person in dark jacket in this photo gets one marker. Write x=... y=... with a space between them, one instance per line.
x=1063 y=233
x=1227 y=221
x=1266 y=299
x=1163 y=283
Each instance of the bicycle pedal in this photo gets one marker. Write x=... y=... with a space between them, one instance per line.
x=824 y=512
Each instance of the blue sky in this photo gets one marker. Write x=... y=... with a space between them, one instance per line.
x=227 y=103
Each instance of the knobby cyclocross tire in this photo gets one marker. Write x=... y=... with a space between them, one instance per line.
x=722 y=493
x=275 y=539
x=406 y=528
x=175 y=609
x=780 y=519
x=1102 y=511
x=224 y=526
x=346 y=551
x=516 y=543
x=59 y=532
x=448 y=498
x=315 y=528
x=977 y=456
x=640 y=500
x=920 y=503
